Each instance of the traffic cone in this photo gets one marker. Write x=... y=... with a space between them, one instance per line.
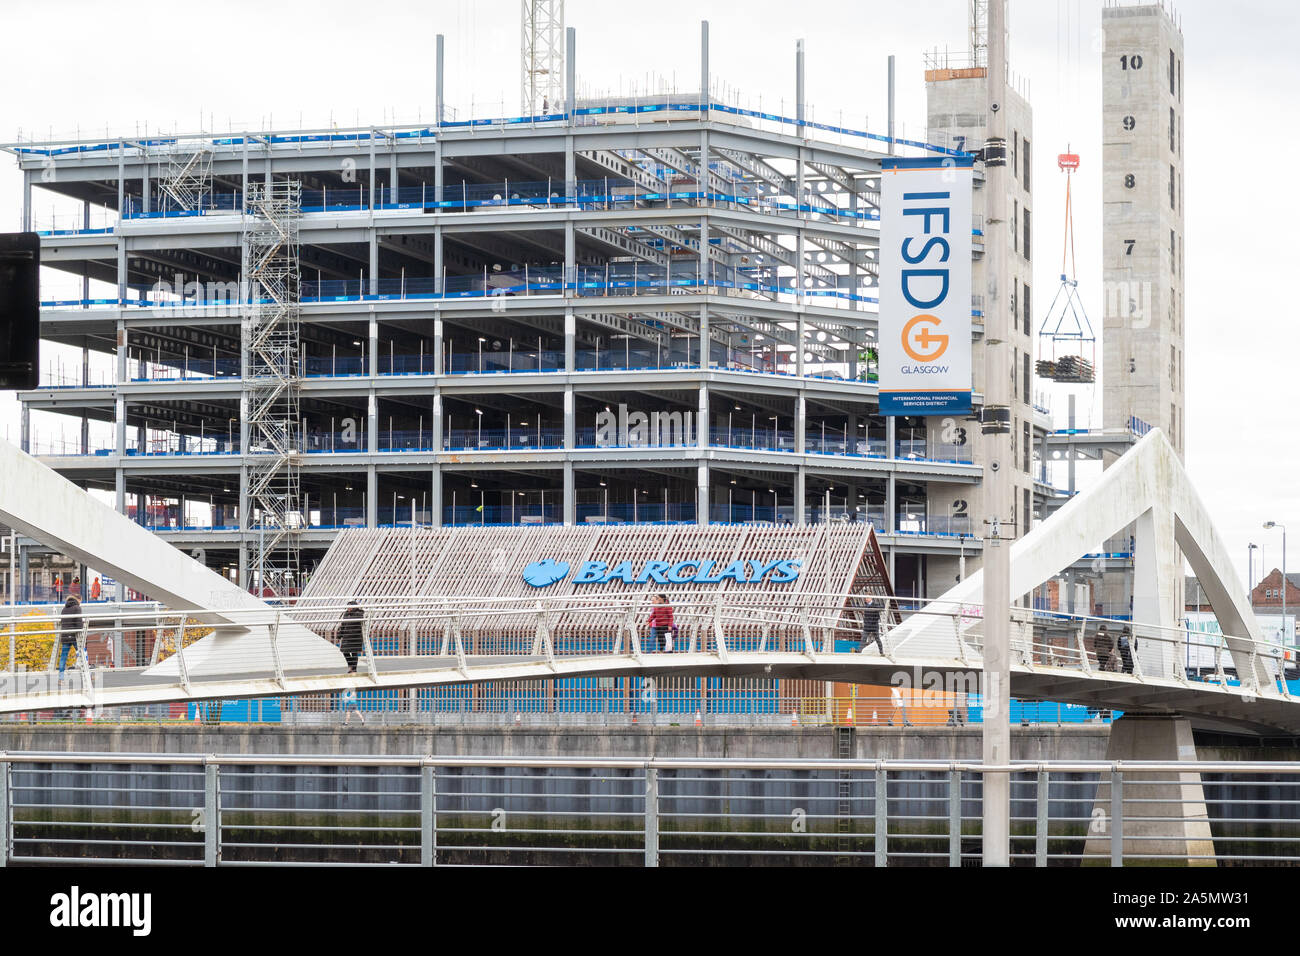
x=197 y=718
x=848 y=718
x=794 y=719
x=85 y=713
x=698 y=722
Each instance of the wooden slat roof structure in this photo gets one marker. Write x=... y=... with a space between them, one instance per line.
x=480 y=573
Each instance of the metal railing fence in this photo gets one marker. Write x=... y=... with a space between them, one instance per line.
x=280 y=809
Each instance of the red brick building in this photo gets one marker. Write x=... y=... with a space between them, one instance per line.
x=1268 y=592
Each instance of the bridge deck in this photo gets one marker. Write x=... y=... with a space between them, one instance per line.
x=1209 y=704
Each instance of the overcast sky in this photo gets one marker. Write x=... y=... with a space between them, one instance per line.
x=123 y=66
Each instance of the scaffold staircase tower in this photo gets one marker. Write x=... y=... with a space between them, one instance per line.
x=270 y=344
x=189 y=175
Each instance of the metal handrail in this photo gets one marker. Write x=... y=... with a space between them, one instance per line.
x=826 y=609
x=1233 y=767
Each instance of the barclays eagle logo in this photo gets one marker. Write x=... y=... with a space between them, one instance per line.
x=544 y=573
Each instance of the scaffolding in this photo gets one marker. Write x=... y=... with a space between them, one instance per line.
x=978 y=16
x=542 y=74
x=189 y=175
x=270 y=345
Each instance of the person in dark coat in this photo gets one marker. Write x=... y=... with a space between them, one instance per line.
x=1126 y=648
x=1102 y=645
x=352 y=634
x=69 y=630
x=871 y=625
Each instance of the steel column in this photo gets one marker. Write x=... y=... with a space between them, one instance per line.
x=428 y=815
x=954 y=818
x=881 y=836
x=1040 y=829
x=997 y=479
x=5 y=824
x=1116 y=818
x=651 y=817
x=211 y=812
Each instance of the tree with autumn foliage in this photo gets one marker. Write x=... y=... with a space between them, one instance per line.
x=36 y=634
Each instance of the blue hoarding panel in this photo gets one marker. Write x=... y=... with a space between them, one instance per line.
x=925 y=403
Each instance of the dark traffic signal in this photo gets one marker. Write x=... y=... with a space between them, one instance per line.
x=20 y=309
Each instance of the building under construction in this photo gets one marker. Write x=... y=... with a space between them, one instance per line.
x=649 y=310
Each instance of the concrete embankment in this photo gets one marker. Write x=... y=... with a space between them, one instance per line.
x=925 y=743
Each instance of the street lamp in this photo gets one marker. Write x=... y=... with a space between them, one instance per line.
x=1250 y=572
x=1268 y=525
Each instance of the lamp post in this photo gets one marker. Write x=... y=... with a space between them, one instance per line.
x=1250 y=572
x=1269 y=525
x=996 y=556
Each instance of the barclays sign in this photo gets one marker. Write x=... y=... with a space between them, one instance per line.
x=546 y=572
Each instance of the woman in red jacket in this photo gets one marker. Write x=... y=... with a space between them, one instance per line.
x=661 y=622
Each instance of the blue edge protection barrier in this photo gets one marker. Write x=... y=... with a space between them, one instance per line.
x=430 y=131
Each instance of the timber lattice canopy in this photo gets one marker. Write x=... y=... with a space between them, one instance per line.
x=479 y=572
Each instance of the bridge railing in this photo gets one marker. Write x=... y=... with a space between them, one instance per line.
x=108 y=641
x=1096 y=645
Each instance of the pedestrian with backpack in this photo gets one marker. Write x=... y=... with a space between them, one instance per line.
x=69 y=630
x=1126 y=648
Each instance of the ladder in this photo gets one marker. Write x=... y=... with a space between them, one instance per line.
x=844 y=740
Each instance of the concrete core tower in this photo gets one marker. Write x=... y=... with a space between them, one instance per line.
x=1142 y=246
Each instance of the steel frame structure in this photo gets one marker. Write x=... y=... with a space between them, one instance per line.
x=770 y=258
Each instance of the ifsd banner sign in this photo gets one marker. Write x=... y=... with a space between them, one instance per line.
x=925 y=283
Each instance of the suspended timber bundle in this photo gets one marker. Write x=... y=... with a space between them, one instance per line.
x=1071 y=368
x=1066 y=324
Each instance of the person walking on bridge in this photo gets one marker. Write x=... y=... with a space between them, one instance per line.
x=661 y=623
x=1126 y=648
x=352 y=634
x=69 y=630
x=1103 y=646
x=871 y=626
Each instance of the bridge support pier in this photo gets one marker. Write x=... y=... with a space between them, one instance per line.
x=1163 y=814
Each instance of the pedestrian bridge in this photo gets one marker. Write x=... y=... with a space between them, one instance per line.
x=225 y=643
x=1054 y=657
